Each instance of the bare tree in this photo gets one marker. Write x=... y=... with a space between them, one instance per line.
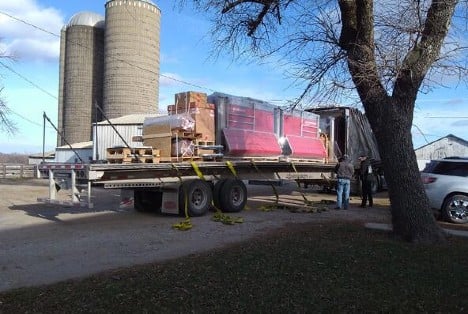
x=6 y=124
x=384 y=54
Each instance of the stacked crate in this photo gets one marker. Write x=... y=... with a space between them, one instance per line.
x=196 y=105
x=172 y=141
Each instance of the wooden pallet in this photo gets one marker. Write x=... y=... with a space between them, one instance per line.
x=205 y=143
x=179 y=159
x=127 y=154
x=184 y=134
x=135 y=160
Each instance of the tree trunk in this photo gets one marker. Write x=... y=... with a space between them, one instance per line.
x=412 y=217
x=391 y=117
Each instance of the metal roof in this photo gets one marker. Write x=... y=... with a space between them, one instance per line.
x=137 y=118
x=87 y=18
x=82 y=145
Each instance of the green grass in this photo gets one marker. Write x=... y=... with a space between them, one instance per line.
x=309 y=268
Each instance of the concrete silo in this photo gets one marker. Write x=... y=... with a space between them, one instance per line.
x=81 y=74
x=131 y=62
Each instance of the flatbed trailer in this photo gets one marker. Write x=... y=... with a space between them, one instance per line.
x=175 y=187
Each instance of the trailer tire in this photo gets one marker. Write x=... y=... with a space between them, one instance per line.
x=216 y=192
x=199 y=196
x=147 y=201
x=232 y=196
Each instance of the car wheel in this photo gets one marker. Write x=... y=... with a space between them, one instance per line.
x=455 y=209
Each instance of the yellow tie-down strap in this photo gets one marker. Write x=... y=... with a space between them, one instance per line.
x=267 y=208
x=231 y=167
x=197 y=170
x=185 y=224
x=308 y=207
x=226 y=219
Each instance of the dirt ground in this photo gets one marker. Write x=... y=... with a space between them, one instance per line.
x=44 y=243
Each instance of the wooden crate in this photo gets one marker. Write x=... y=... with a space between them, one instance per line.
x=204 y=117
x=185 y=99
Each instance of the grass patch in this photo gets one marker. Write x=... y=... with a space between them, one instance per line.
x=310 y=268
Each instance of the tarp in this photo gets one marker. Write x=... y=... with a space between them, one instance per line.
x=360 y=136
x=352 y=132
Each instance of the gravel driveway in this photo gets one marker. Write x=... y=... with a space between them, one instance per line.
x=43 y=243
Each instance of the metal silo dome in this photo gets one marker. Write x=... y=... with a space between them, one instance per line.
x=86 y=18
x=131 y=58
x=81 y=71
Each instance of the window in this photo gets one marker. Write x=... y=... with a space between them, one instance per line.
x=449 y=168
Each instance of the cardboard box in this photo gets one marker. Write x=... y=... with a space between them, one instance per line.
x=204 y=117
x=185 y=99
x=158 y=136
x=160 y=129
x=161 y=143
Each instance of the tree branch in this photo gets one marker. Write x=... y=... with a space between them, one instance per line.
x=424 y=53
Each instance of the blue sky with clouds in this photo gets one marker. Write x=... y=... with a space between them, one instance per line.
x=31 y=81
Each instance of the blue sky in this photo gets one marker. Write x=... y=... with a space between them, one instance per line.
x=31 y=81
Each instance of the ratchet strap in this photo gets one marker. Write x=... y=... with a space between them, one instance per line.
x=267 y=208
x=309 y=206
x=186 y=224
x=197 y=170
x=231 y=167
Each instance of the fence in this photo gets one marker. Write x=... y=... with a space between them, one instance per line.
x=17 y=171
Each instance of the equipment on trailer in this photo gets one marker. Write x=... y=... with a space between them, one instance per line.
x=232 y=140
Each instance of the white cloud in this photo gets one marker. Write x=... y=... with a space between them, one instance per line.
x=433 y=122
x=29 y=42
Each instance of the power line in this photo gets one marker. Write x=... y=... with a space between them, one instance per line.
x=26 y=119
x=27 y=80
x=117 y=59
x=29 y=24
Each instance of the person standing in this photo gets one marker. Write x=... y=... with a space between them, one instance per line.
x=344 y=172
x=366 y=176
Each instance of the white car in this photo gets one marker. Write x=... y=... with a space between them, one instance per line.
x=446 y=184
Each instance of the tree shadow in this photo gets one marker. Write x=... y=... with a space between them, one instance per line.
x=103 y=201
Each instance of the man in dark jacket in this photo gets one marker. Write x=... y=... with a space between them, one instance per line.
x=366 y=177
x=344 y=172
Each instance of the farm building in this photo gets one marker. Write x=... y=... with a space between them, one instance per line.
x=36 y=159
x=75 y=153
x=447 y=146
x=119 y=132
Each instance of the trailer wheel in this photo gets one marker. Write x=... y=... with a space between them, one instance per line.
x=147 y=201
x=198 y=195
x=216 y=192
x=232 y=196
